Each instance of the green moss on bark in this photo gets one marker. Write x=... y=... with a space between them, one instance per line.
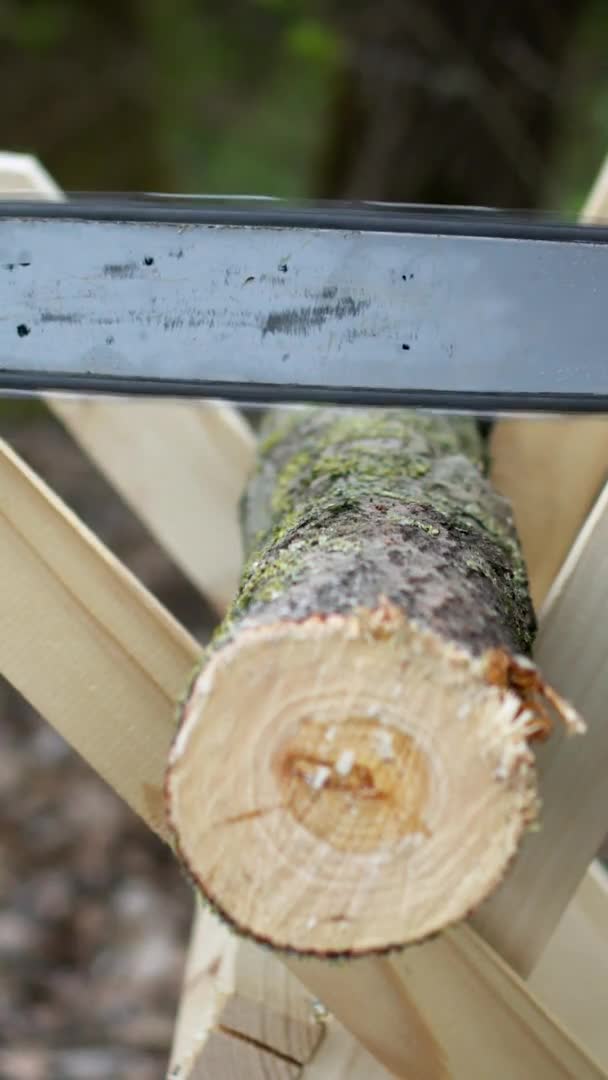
x=350 y=505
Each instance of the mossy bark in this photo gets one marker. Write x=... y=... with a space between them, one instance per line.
x=353 y=769
x=348 y=506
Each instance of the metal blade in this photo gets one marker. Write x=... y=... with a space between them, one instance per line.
x=260 y=302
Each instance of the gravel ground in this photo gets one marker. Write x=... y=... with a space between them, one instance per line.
x=94 y=913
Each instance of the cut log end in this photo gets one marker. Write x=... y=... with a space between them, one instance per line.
x=352 y=783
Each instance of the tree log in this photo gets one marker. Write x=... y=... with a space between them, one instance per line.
x=353 y=769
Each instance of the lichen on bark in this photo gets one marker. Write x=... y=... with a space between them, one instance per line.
x=353 y=769
x=349 y=505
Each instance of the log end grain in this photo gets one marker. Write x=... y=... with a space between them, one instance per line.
x=350 y=783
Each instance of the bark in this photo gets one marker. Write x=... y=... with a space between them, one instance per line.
x=353 y=769
x=385 y=503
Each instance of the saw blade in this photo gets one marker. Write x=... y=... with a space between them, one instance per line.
x=256 y=300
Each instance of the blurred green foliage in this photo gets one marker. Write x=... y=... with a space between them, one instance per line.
x=238 y=97
x=187 y=96
x=119 y=95
x=241 y=118
x=583 y=135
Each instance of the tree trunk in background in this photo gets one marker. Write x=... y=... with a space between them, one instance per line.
x=124 y=95
x=447 y=101
x=76 y=81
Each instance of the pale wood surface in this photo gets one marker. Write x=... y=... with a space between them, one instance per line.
x=450 y=1010
x=337 y=1055
x=572 y=981
x=552 y=469
x=331 y=869
x=572 y=652
x=85 y=643
x=367 y=997
x=341 y=1057
x=23 y=175
x=211 y=947
x=240 y=1009
x=181 y=466
x=266 y=1003
x=571 y=978
x=227 y=1057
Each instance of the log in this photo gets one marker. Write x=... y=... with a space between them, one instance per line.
x=353 y=768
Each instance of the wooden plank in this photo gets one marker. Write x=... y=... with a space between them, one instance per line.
x=240 y=1009
x=85 y=643
x=22 y=175
x=367 y=998
x=571 y=981
x=572 y=652
x=264 y=1002
x=335 y=1052
x=341 y=1057
x=101 y=659
x=448 y=1011
x=552 y=469
x=211 y=947
x=228 y=1057
x=571 y=978
x=181 y=466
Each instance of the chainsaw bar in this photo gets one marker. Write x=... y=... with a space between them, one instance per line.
x=260 y=301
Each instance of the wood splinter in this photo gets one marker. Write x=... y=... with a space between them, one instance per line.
x=353 y=768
